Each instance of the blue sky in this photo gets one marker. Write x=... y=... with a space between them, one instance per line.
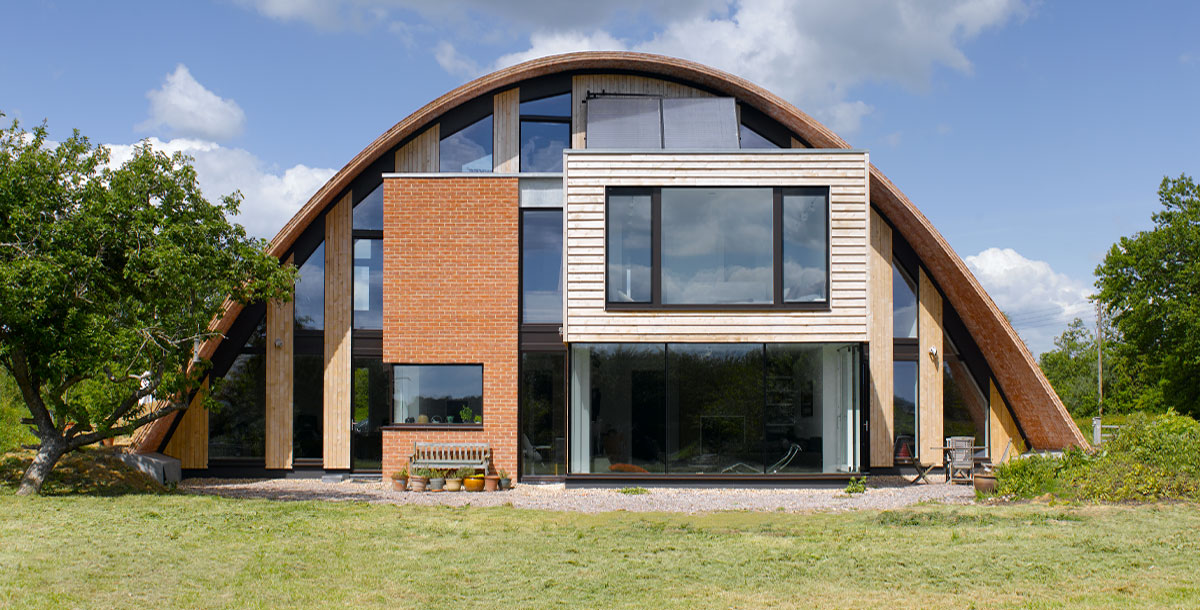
x=1033 y=135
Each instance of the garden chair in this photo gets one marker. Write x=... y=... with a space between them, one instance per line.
x=960 y=463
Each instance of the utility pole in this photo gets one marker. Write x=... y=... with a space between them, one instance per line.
x=1100 y=359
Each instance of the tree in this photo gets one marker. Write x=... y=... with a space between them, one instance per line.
x=1148 y=285
x=1071 y=370
x=111 y=277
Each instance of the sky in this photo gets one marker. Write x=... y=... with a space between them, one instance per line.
x=1032 y=134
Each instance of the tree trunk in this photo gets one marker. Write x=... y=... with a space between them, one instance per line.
x=47 y=456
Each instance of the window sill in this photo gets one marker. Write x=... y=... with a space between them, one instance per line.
x=463 y=427
x=729 y=308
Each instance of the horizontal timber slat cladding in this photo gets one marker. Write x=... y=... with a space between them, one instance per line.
x=587 y=175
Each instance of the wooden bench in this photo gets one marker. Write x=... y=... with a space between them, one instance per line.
x=451 y=455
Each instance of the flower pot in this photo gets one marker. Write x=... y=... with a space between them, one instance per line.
x=491 y=482
x=473 y=483
x=437 y=484
x=454 y=484
x=419 y=483
x=400 y=484
x=505 y=483
x=985 y=483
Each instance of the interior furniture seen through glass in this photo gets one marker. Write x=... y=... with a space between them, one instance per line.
x=368 y=284
x=541 y=266
x=437 y=393
x=715 y=408
x=237 y=423
x=543 y=413
x=468 y=149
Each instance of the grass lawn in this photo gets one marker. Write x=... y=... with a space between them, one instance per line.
x=176 y=551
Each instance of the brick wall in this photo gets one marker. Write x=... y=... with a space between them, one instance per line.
x=450 y=288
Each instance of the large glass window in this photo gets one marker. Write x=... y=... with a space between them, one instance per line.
x=628 y=241
x=904 y=304
x=368 y=412
x=543 y=413
x=717 y=245
x=310 y=292
x=541 y=266
x=308 y=404
x=694 y=247
x=805 y=246
x=545 y=133
x=368 y=284
x=237 y=423
x=368 y=213
x=468 y=149
x=964 y=406
x=437 y=393
x=904 y=404
x=752 y=139
x=716 y=409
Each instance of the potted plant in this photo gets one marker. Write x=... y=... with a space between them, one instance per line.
x=454 y=480
x=419 y=479
x=479 y=419
x=400 y=479
x=491 y=482
x=505 y=482
x=465 y=415
x=437 y=481
x=473 y=482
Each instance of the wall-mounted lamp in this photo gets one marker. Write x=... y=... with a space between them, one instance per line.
x=933 y=354
x=279 y=343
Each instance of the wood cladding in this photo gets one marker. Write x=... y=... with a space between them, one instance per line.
x=338 y=316
x=421 y=153
x=879 y=309
x=929 y=384
x=279 y=372
x=1001 y=429
x=582 y=84
x=189 y=444
x=587 y=175
x=506 y=131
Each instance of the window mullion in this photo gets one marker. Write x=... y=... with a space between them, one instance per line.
x=777 y=245
x=656 y=246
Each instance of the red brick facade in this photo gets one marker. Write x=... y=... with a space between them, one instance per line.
x=450 y=296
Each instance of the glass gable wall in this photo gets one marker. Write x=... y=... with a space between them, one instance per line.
x=750 y=409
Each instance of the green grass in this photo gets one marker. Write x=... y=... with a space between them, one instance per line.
x=178 y=551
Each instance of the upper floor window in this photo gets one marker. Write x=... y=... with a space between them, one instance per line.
x=541 y=266
x=469 y=149
x=545 y=133
x=717 y=247
x=904 y=304
x=310 y=292
x=368 y=284
x=368 y=213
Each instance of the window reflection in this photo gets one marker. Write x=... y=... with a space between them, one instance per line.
x=717 y=245
x=310 y=292
x=438 y=393
x=964 y=406
x=469 y=149
x=368 y=213
x=904 y=304
x=368 y=284
x=541 y=266
x=904 y=401
x=629 y=248
x=805 y=262
x=752 y=139
x=543 y=413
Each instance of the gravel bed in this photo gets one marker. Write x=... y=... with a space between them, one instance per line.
x=882 y=493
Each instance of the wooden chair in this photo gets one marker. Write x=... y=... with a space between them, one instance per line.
x=960 y=462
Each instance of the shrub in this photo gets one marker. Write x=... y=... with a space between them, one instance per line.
x=856 y=485
x=634 y=491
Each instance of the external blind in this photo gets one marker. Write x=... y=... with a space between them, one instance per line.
x=700 y=122
x=624 y=122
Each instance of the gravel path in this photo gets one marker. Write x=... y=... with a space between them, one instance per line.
x=882 y=493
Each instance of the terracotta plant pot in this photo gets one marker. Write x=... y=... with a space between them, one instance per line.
x=454 y=484
x=491 y=482
x=399 y=484
x=418 y=483
x=985 y=483
x=473 y=483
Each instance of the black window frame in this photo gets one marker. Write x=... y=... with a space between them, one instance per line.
x=778 y=302
x=403 y=425
x=522 y=118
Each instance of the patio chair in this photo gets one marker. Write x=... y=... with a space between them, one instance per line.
x=960 y=463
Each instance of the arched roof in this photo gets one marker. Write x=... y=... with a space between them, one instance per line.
x=1041 y=414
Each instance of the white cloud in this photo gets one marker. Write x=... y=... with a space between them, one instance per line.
x=453 y=62
x=270 y=197
x=183 y=107
x=1040 y=301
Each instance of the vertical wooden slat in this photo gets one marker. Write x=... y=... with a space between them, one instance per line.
x=506 y=131
x=879 y=315
x=279 y=383
x=1002 y=428
x=421 y=153
x=189 y=444
x=338 y=271
x=929 y=401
